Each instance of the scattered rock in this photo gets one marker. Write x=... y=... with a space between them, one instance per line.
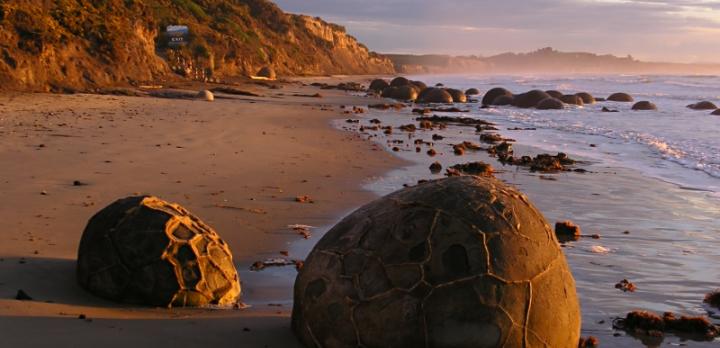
x=304 y=199
x=465 y=121
x=478 y=168
x=605 y=109
x=703 y=105
x=567 y=231
x=408 y=128
x=267 y=72
x=436 y=137
x=274 y=262
x=396 y=106
x=79 y=183
x=22 y=296
x=651 y=324
x=626 y=286
x=431 y=152
x=233 y=91
x=436 y=167
x=589 y=342
x=491 y=138
x=713 y=299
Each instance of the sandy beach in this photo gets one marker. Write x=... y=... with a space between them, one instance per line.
x=237 y=162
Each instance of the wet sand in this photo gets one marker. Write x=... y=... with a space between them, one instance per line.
x=251 y=155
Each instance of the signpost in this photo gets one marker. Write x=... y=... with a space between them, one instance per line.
x=177 y=35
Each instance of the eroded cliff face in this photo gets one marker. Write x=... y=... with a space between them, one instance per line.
x=80 y=44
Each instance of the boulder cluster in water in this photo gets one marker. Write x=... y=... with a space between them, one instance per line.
x=401 y=88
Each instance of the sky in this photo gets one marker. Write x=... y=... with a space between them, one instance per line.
x=650 y=30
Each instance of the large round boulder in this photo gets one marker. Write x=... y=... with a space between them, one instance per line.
x=435 y=95
x=492 y=94
x=586 y=97
x=550 y=104
x=400 y=81
x=703 y=105
x=621 y=97
x=378 y=85
x=472 y=91
x=143 y=250
x=530 y=99
x=405 y=93
x=457 y=95
x=389 y=92
x=267 y=72
x=644 y=105
x=459 y=262
x=572 y=99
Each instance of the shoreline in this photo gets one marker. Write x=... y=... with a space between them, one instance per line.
x=255 y=154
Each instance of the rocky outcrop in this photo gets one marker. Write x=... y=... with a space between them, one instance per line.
x=65 y=45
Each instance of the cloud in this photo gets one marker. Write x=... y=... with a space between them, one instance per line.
x=677 y=30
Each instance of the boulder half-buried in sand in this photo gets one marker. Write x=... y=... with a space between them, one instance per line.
x=459 y=262
x=143 y=250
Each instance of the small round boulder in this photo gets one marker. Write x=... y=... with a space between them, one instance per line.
x=621 y=97
x=267 y=72
x=530 y=99
x=703 y=105
x=644 y=105
x=378 y=85
x=572 y=99
x=459 y=262
x=550 y=104
x=716 y=112
x=555 y=94
x=435 y=95
x=457 y=95
x=405 y=93
x=472 y=91
x=205 y=95
x=143 y=250
x=586 y=97
x=400 y=81
x=492 y=94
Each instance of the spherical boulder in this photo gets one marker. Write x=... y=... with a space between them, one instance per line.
x=550 y=104
x=143 y=250
x=529 y=99
x=503 y=100
x=435 y=95
x=703 y=105
x=205 y=95
x=457 y=95
x=492 y=94
x=459 y=262
x=472 y=91
x=644 y=105
x=378 y=85
x=419 y=85
x=572 y=99
x=267 y=72
x=621 y=97
x=554 y=94
x=400 y=81
x=388 y=92
x=405 y=93
x=586 y=97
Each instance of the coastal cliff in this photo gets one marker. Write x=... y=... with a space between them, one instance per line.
x=81 y=44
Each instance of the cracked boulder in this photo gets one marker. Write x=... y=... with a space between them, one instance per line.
x=459 y=262
x=143 y=250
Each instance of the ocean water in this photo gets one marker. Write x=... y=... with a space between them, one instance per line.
x=675 y=143
x=654 y=174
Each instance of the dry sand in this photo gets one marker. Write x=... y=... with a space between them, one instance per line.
x=255 y=154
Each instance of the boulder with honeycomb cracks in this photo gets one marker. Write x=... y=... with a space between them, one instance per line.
x=143 y=250
x=458 y=262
